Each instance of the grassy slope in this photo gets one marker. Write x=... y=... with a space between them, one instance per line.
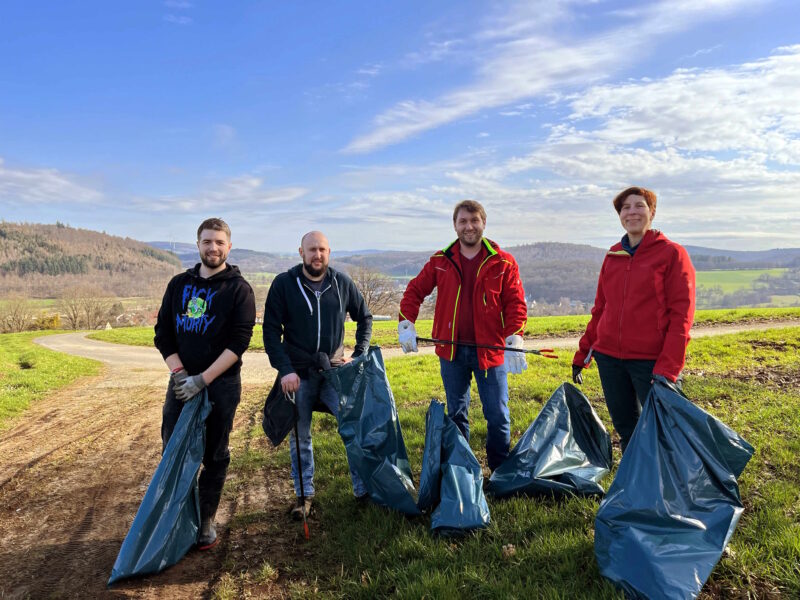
x=384 y=333
x=373 y=552
x=28 y=372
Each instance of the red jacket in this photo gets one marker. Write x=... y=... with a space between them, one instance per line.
x=499 y=308
x=644 y=306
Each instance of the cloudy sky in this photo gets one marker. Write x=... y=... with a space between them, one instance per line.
x=370 y=120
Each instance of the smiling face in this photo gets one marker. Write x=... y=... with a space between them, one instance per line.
x=469 y=227
x=636 y=217
x=214 y=247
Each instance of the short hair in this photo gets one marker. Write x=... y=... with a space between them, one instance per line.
x=648 y=195
x=472 y=206
x=216 y=225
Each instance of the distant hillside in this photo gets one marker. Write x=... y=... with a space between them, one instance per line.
x=41 y=260
x=550 y=271
x=249 y=261
x=707 y=259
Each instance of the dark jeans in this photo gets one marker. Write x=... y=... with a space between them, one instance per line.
x=493 y=390
x=224 y=394
x=626 y=384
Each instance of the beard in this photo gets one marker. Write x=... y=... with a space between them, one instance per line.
x=315 y=271
x=212 y=262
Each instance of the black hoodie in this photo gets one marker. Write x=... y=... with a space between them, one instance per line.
x=200 y=318
x=299 y=322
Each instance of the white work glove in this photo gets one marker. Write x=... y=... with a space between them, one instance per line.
x=407 y=336
x=515 y=362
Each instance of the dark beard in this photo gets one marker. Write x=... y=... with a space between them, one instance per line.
x=314 y=272
x=205 y=262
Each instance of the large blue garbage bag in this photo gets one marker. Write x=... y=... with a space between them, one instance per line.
x=566 y=450
x=166 y=524
x=431 y=477
x=674 y=503
x=462 y=505
x=370 y=429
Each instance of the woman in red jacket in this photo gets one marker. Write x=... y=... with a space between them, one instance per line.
x=642 y=313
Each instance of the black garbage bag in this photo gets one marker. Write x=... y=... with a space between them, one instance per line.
x=165 y=526
x=371 y=432
x=279 y=414
x=566 y=450
x=462 y=505
x=674 y=503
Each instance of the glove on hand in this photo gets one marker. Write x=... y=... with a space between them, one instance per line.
x=515 y=362
x=577 y=374
x=407 y=336
x=189 y=387
x=177 y=377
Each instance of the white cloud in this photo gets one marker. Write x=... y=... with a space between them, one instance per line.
x=25 y=186
x=518 y=59
x=178 y=19
x=247 y=193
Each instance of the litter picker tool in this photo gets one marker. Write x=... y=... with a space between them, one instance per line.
x=299 y=465
x=544 y=352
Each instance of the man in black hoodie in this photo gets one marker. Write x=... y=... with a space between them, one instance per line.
x=204 y=326
x=304 y=315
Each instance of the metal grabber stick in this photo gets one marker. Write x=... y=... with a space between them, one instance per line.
x=299 y=464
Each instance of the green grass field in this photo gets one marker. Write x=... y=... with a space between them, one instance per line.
x=384 y=333
x=747 y=380
x=29 y=372
x=730 y=281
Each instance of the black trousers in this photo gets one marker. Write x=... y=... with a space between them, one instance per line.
x=626 y=384
x=224 y=394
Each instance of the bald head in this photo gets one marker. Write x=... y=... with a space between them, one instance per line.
x=315 y=252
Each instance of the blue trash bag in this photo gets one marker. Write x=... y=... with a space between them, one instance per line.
x=674 y=503
x=166 y=524
x=566 y=450
x=371 y=432
x=462 y=505
x=431 y=477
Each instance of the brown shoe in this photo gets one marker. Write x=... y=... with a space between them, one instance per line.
x=297 y=509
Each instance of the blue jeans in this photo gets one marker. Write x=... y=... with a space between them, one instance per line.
x=493 y=391
x=313 y=389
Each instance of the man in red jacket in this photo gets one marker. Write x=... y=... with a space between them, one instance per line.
x=479 y=300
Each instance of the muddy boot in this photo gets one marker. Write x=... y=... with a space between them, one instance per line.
x=299 y=507
x=208 y=534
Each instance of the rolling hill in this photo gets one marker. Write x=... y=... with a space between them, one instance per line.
x=39 y=261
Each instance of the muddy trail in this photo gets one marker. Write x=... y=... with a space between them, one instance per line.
x=75 y=466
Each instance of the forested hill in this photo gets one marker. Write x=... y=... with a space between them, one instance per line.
x=42 y=260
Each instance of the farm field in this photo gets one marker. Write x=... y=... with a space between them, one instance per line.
x=384 y=333
x=730 y=281
x=75 y=465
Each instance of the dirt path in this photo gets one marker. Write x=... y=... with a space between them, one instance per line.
x=74 y=468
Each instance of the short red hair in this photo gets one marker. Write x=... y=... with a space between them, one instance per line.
x=648 y=195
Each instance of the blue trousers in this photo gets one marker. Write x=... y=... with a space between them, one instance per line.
x=493 y=390
x=312 y=389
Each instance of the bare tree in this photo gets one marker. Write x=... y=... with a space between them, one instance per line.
x=95 y=305
x=84 y=306
x=16 y=314
x=70 y=305
x=379 y=290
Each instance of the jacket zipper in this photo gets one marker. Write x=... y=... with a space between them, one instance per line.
x=622 y=306
x=317 y=295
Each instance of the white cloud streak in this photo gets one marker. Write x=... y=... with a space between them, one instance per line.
x=519 y=60
x=25 y=186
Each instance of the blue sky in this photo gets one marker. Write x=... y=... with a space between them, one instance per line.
x=370 y=120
